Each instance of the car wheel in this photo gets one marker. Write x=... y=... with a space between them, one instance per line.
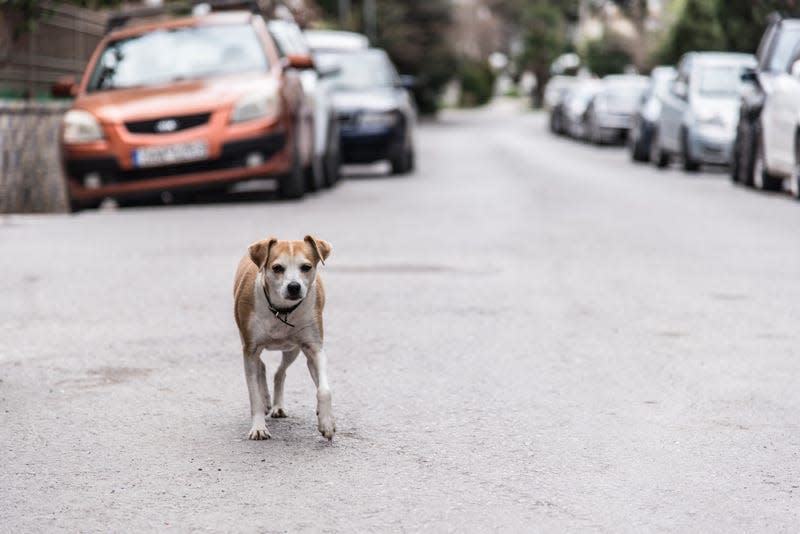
x=403 y=164
x=76 y=206
x=762 y=179
x=689 y=164
x=736 y=157
x=636 y=145
x=794 y=178
x=657 y=155
x=333 y=159
x=293 y=184
x=315 y=174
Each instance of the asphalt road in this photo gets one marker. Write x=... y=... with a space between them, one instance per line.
x=528 y=334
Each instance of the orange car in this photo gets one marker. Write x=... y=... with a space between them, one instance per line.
x=198 y=102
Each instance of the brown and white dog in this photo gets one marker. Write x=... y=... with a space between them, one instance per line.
x=278 y=302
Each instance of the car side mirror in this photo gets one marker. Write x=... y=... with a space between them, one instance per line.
x=299 y=61
x=64 y=88
x=795 y=70
x=407 y=81
x=748 y=75
x=680 y=89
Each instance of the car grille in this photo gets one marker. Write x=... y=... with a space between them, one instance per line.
x=164 y=125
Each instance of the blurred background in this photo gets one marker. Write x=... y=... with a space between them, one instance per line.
x=460 y=53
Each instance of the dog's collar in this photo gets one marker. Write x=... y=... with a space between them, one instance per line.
x=279 y=311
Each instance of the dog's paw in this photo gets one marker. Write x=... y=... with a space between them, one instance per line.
x=278 y=413
x=327 y=427
x=259 y=433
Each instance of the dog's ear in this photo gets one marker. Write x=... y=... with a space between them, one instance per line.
x=259 y=251
x=321 y=248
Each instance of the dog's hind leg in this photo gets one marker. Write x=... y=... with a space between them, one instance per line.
x=280 y=376
x=256 y=377
x=317 y=367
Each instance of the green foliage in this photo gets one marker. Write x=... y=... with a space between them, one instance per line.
x=697 y=29
x=544 y=33
x=606 y=56
x=477 y=83
x=733 y=25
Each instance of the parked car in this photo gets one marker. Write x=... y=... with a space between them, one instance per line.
x=576 y=104
x=197 y=102
x=699 y=114
x=324 y=170
x=610 y=111
x=555 y=94
x=377 y=116
x=767 y=149
x=645 y=120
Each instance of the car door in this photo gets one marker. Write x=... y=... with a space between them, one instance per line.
x=779 y=116
x=673 y=107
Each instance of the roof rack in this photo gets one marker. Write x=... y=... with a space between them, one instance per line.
x=120 y=19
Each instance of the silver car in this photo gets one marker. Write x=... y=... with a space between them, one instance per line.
x=700 y=112
x=610 y=112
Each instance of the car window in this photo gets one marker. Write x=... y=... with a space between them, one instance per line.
x=165 y=56
x=719 y=80
x=359 y=70
x=289 y=38
x=765 y=46
x=785 y=47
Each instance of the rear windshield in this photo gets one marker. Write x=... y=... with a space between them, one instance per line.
x=720 y=80
x=166 y=56
x=367 y=69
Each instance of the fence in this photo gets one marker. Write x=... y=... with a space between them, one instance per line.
x=30 y=170
x=61 y=45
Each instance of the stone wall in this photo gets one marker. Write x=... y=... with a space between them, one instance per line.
x=30 y=169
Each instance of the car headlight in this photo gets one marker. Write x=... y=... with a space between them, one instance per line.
x=81 y=127
x=258 y=105
x=377 y=120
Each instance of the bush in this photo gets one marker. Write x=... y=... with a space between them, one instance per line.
x=606 y=56
x=477 y=83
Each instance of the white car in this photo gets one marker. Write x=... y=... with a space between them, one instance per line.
x=325 y=167
x=768 y=138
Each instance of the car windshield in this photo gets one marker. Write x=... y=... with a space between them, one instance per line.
x=785 y=49
x=723 y=80
x=165 y=56
x=358 y=70
x=625 y=94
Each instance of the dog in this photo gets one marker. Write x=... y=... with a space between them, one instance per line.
x=278 y=302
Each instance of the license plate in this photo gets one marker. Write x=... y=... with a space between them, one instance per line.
x=170 y=154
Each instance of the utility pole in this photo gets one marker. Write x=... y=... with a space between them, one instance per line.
x=370 y=15
x=344 y=13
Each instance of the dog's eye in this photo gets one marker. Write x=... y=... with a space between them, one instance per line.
x=305 y=267
x=277 y=269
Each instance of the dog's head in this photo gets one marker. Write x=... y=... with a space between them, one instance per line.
x=289 y=267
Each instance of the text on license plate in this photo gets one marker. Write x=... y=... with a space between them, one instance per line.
x=170 y=154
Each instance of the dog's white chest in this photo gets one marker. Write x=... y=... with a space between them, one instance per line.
x=270 y=333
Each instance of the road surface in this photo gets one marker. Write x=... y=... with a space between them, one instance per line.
x=528 y=334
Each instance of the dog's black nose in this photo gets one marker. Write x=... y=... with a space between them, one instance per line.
x=293 y=288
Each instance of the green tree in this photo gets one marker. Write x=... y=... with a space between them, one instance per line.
x=544 y=36
x=697 y=29
x=606 y=56
x=743 y=21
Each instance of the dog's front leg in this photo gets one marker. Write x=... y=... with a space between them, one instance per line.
x=289 y=356
x=317 y=363
x=256 y=377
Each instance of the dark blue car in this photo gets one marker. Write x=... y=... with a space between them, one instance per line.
x=376 y=113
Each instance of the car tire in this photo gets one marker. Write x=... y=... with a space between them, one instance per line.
x=404 y=163
x=333 y=158
x=315 y=174
x=736 y=160
x=794 y=178
x=293 y=184
x=689 y=164
x=761 y=178
x=76 y=206
x=637 y=148
x=657 y=155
